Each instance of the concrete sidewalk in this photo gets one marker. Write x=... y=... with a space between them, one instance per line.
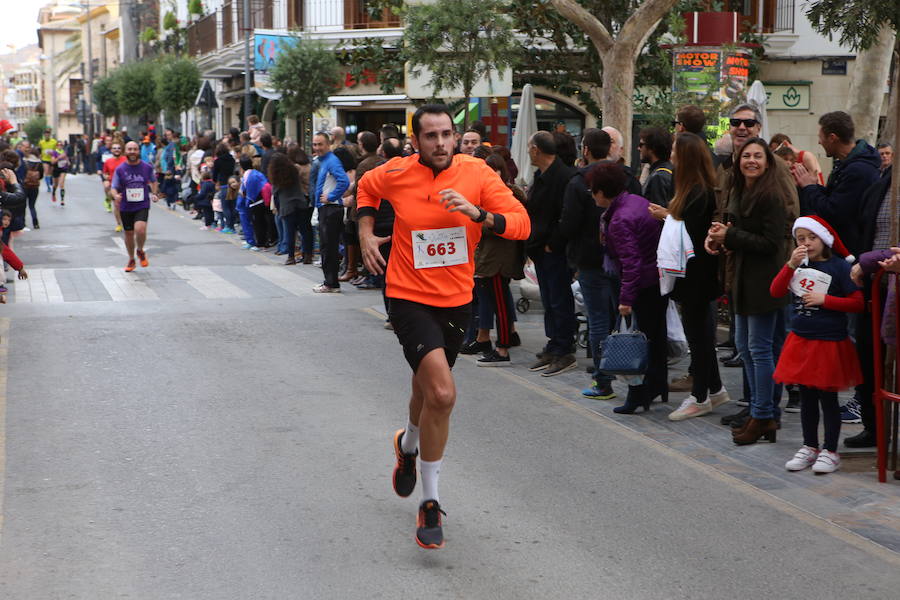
x=852 y=498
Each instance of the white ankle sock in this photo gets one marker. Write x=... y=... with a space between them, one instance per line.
x=410 y=440
x=430 y=473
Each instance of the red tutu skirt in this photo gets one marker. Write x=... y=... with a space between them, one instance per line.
x=819 y=364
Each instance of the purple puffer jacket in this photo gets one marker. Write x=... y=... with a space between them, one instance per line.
x=632 y=235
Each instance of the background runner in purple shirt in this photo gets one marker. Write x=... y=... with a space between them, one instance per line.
x=133 y=184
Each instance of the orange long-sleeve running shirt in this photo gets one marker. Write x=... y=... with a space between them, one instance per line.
x=432 y=257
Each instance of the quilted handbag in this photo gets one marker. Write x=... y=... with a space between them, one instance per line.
x=625 y=350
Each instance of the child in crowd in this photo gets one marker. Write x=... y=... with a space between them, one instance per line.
x=818 y=354
x=217 y=211
x=204 y=198
x=230 y=202
x=9 y=257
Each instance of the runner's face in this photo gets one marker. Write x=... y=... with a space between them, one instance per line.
x=132 y=152
x=116 y=150
x=435 y=141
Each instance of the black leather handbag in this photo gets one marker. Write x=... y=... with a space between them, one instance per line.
x=625 y=351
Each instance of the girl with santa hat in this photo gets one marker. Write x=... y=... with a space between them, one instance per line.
x=818 y=354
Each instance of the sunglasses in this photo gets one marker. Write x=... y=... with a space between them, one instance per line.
x=748 y=123
x=674 y=123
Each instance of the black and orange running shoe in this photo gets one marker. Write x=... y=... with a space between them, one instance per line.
x=429 y=533
x=130 y=266
x=405 y=470
x=142 y=256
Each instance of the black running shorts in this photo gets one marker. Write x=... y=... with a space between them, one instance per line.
x=128 y=218
x=422 y=328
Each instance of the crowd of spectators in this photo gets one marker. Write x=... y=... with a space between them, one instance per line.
x=704 y=224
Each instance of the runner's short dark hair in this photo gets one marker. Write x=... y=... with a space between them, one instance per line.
x=428 y=109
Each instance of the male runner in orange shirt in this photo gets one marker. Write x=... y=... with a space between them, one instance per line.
x=441 y=202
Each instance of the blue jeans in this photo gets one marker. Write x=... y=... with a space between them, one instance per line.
x=555 y=284
x=600 y=291
x=289 y=228
x=228 y=209
x=279 y=227
x=305 y=229
x=754 y=336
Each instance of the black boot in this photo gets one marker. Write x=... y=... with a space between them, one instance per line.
x=740 y=416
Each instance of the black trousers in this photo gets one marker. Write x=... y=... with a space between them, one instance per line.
x=260 y=224
x=699 y=323
x=331 y=224
x=649 y=309
x=810 y=401
x=866 y=389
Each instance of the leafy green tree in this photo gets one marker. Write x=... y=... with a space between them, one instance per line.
x=104 y=95
x=177 y=84
x=149 y=35
x=135 y=85
x=859 y=22
x=460 y=42
x=34 y=127
x=195 y=7
x=307 y=72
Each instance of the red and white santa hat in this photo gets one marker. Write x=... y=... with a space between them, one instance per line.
x=825 y=232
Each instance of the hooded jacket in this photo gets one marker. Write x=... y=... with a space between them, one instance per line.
x=840 y=202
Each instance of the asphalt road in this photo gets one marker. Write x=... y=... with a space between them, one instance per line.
x=207 y=429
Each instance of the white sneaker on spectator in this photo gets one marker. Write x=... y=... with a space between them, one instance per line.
x=828 y=462
x=719 y=398
x=803 y=459
x=691 y=408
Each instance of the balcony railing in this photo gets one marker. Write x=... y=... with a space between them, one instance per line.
x=201 y=36
x=337 y=15
x=769 y=16
x=261 y=16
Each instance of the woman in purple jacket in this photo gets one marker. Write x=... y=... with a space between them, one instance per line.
x=631 y=236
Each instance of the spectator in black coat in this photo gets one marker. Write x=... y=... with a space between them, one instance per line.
x=547 y=248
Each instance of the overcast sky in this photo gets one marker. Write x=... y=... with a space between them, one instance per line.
x=19 y=23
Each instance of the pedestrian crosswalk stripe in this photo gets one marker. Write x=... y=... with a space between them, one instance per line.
x=283 y=278
x=40 y=288
x=113 y=284
x=124 y=286
x=208 y=283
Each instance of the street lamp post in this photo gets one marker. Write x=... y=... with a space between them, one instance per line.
x=248 y=29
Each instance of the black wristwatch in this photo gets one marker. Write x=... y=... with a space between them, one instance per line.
x=482 y=215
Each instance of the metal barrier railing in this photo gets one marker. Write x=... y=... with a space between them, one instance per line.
x=887 y=402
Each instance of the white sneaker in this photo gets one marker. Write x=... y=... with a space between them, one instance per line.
x=719 y=398
x=828 y=462
x=804 y=458
x=691 y=408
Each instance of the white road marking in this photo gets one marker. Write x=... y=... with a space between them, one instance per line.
x=124 y=286
x=41 y=287
x=285 y=279
x=208 y=283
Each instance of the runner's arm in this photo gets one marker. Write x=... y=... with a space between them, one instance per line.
x=368 y=198
x=507 y=216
